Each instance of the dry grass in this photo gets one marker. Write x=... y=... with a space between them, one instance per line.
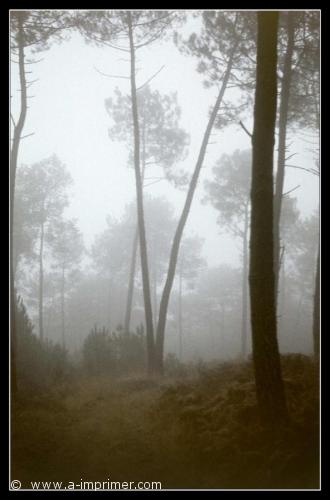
x=201 y=432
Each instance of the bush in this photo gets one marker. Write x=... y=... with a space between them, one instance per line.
x=38 y=364
x=115 y=353
x=173 y=367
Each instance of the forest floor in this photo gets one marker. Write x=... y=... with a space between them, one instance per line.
x=198 y=432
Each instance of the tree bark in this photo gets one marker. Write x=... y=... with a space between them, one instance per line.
x=140 y=209
x=18 y=128
x=267 y=367
x=316 y=310
x=245 y=283
x=283 y=120
x=41 y=282
x=182 y=222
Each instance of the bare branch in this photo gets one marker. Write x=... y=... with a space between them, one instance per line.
x=151 y=78
x=12 y=119
x=153 y=182
x=309 y=170
x=154 y=178
x=245 y=129
x=111 y=76
x=293 y=189
x=25 y=136
x=28 y=135
x=288 y=157
x=31 y=83
x=33 y=62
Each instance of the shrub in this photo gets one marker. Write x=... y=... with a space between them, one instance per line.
x=113 y=353
x=39 y=364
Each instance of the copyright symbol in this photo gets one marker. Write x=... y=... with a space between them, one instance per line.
x=15 y=484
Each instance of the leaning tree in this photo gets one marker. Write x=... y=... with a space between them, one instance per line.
x=128 y=32
x=219 y=48
x=163 y=143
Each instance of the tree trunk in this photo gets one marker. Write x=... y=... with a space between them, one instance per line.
x=245 y=283
x=18 y=128
x=130 y=292
x=109 y=304
x=282 y=295
x=131 y=280
x=140 y=209
x=316 y=310
x=283 y=120
x=41 y=283
x=222 y=328
x=183 y=219
x=154 y=277
x=180 y=316
x=267 y=367
x=63 y=308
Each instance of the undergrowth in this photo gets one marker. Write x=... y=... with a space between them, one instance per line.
x=201 y=431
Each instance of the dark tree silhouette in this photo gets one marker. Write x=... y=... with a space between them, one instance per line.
x=269 y=383
x=316 y=310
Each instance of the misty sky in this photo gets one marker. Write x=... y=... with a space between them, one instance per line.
x=68 y=118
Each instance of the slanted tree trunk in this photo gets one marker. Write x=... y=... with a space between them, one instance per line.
x=63 y=308
x=154 y=278
x=269 y=384
x=316 y=310
x=132 y=271
x=180 y=315
x=18 y=128
x=245 y=283
x=140 y=209
x=283 y=120
x=41 y=282
x=182 y=222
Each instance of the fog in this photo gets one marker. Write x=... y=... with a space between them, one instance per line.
x=68 y=118
x=164 y=248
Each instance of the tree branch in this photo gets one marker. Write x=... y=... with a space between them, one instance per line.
x=310 y=171
x=245 y=129
x=151 y=78
x=293 y=189
x=110 y=76
x=28 y=135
